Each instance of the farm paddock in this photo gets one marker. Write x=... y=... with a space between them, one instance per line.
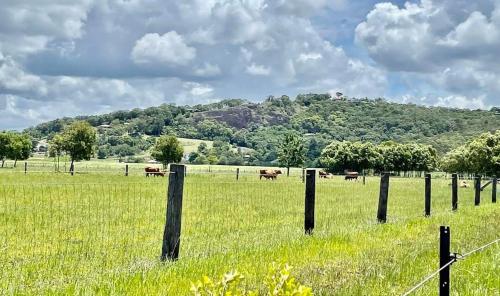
x=98 y=233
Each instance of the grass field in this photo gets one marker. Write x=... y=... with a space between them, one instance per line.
x=100 y=233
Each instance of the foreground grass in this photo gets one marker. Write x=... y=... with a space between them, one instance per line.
x=101 y=234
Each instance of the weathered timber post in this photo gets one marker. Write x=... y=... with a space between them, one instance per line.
x=303 y=175
x=383 y=197
x=477 y=187
x=126 y=170
x=310 y=199
x=172 y=232
x=454 y=192
x=428 y=194
x=72 y=169
x=444 y=258
x=364 y=177
x=237 y=174
x=494 y=190
x=25 y=167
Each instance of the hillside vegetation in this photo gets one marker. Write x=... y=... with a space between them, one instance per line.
x=260 y=126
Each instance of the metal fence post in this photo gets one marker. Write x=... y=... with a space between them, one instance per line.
x=494 y=190
x=444 y=258
x=454 y=192
x=172 y=231
x=310 y=199
x=383 y=197
x=126 y=170
x=477 y=187
x=25 y=167
x=428 y=194
x=237 y=174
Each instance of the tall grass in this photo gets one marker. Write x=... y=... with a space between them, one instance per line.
x=101 y=234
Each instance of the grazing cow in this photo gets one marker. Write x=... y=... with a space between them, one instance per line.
x=153 y=171
x=464 y=184
x=351 y=176
x=323 y=174
x=269 y=174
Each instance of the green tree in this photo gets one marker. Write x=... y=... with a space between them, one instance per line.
x=79 y=141
x=19 y=147
x=346 y=155
x=291 y=152
x=167 y=150
x=5 y=139
x=56 y=148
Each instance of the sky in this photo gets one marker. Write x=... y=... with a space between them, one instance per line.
x=80 y=57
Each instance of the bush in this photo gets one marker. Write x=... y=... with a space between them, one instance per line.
x=279 y=282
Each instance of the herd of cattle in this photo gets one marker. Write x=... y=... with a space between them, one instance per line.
x=267 y=174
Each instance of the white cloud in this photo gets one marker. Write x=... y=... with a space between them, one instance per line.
x=207 y=70
x=258 y=70
x=169 y=48
x=454 y=44
x=306 y=57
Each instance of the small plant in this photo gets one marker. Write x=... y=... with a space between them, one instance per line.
x=279 y=282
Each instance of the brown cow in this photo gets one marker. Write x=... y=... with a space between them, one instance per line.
x=269 y=174
x=351 y=176
x=323 y=174
x=153 y=171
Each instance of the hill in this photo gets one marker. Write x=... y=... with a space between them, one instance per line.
x=259 y=126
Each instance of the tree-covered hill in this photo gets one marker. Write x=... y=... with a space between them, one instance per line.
x=260 y=126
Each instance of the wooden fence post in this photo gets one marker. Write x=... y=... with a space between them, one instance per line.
x=25 y=167
x=172 y=231
x=454 y=192
x=383 y=196
x=126 y=170
x=494 y=190
x=72 y=169
x=310 y=199
x=237 y=174
x=364 y=177
x=477 y=187
x=428 y=194
x=303 y=175
x=444 y=258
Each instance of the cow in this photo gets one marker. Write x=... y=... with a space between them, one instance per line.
x=323 y=174
x=351 y=176
x=153 y=171
x=269 y=174
x=464 y=184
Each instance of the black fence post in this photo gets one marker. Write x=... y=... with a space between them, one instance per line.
x=72 y=169
x=477 y=187
x=494 y=190
x=383 y=196
x=126 y=170
x=454 y=192
x=428 y=194
x=444 y=258
x=310 y=199
x=237 y=174
x=303 y=175
x=172 y=232
x=364 y=177
x=25 y=167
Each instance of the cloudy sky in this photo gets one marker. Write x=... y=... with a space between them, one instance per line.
x=72 y=57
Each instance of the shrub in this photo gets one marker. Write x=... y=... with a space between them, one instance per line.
x=279 y=282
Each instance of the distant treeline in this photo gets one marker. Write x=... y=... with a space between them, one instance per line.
x=319 y=118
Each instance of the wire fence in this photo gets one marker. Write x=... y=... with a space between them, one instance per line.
x=74 y=227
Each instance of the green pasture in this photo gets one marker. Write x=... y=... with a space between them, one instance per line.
x=100 y=233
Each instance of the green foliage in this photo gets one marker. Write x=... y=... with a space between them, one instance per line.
x=167 y=150
x=388 y=156
x=79 y=140
x=260 y=126
x=480 y=156
x=291 y=152
x=15 y=146
x=340 y=156
x=279 y=282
